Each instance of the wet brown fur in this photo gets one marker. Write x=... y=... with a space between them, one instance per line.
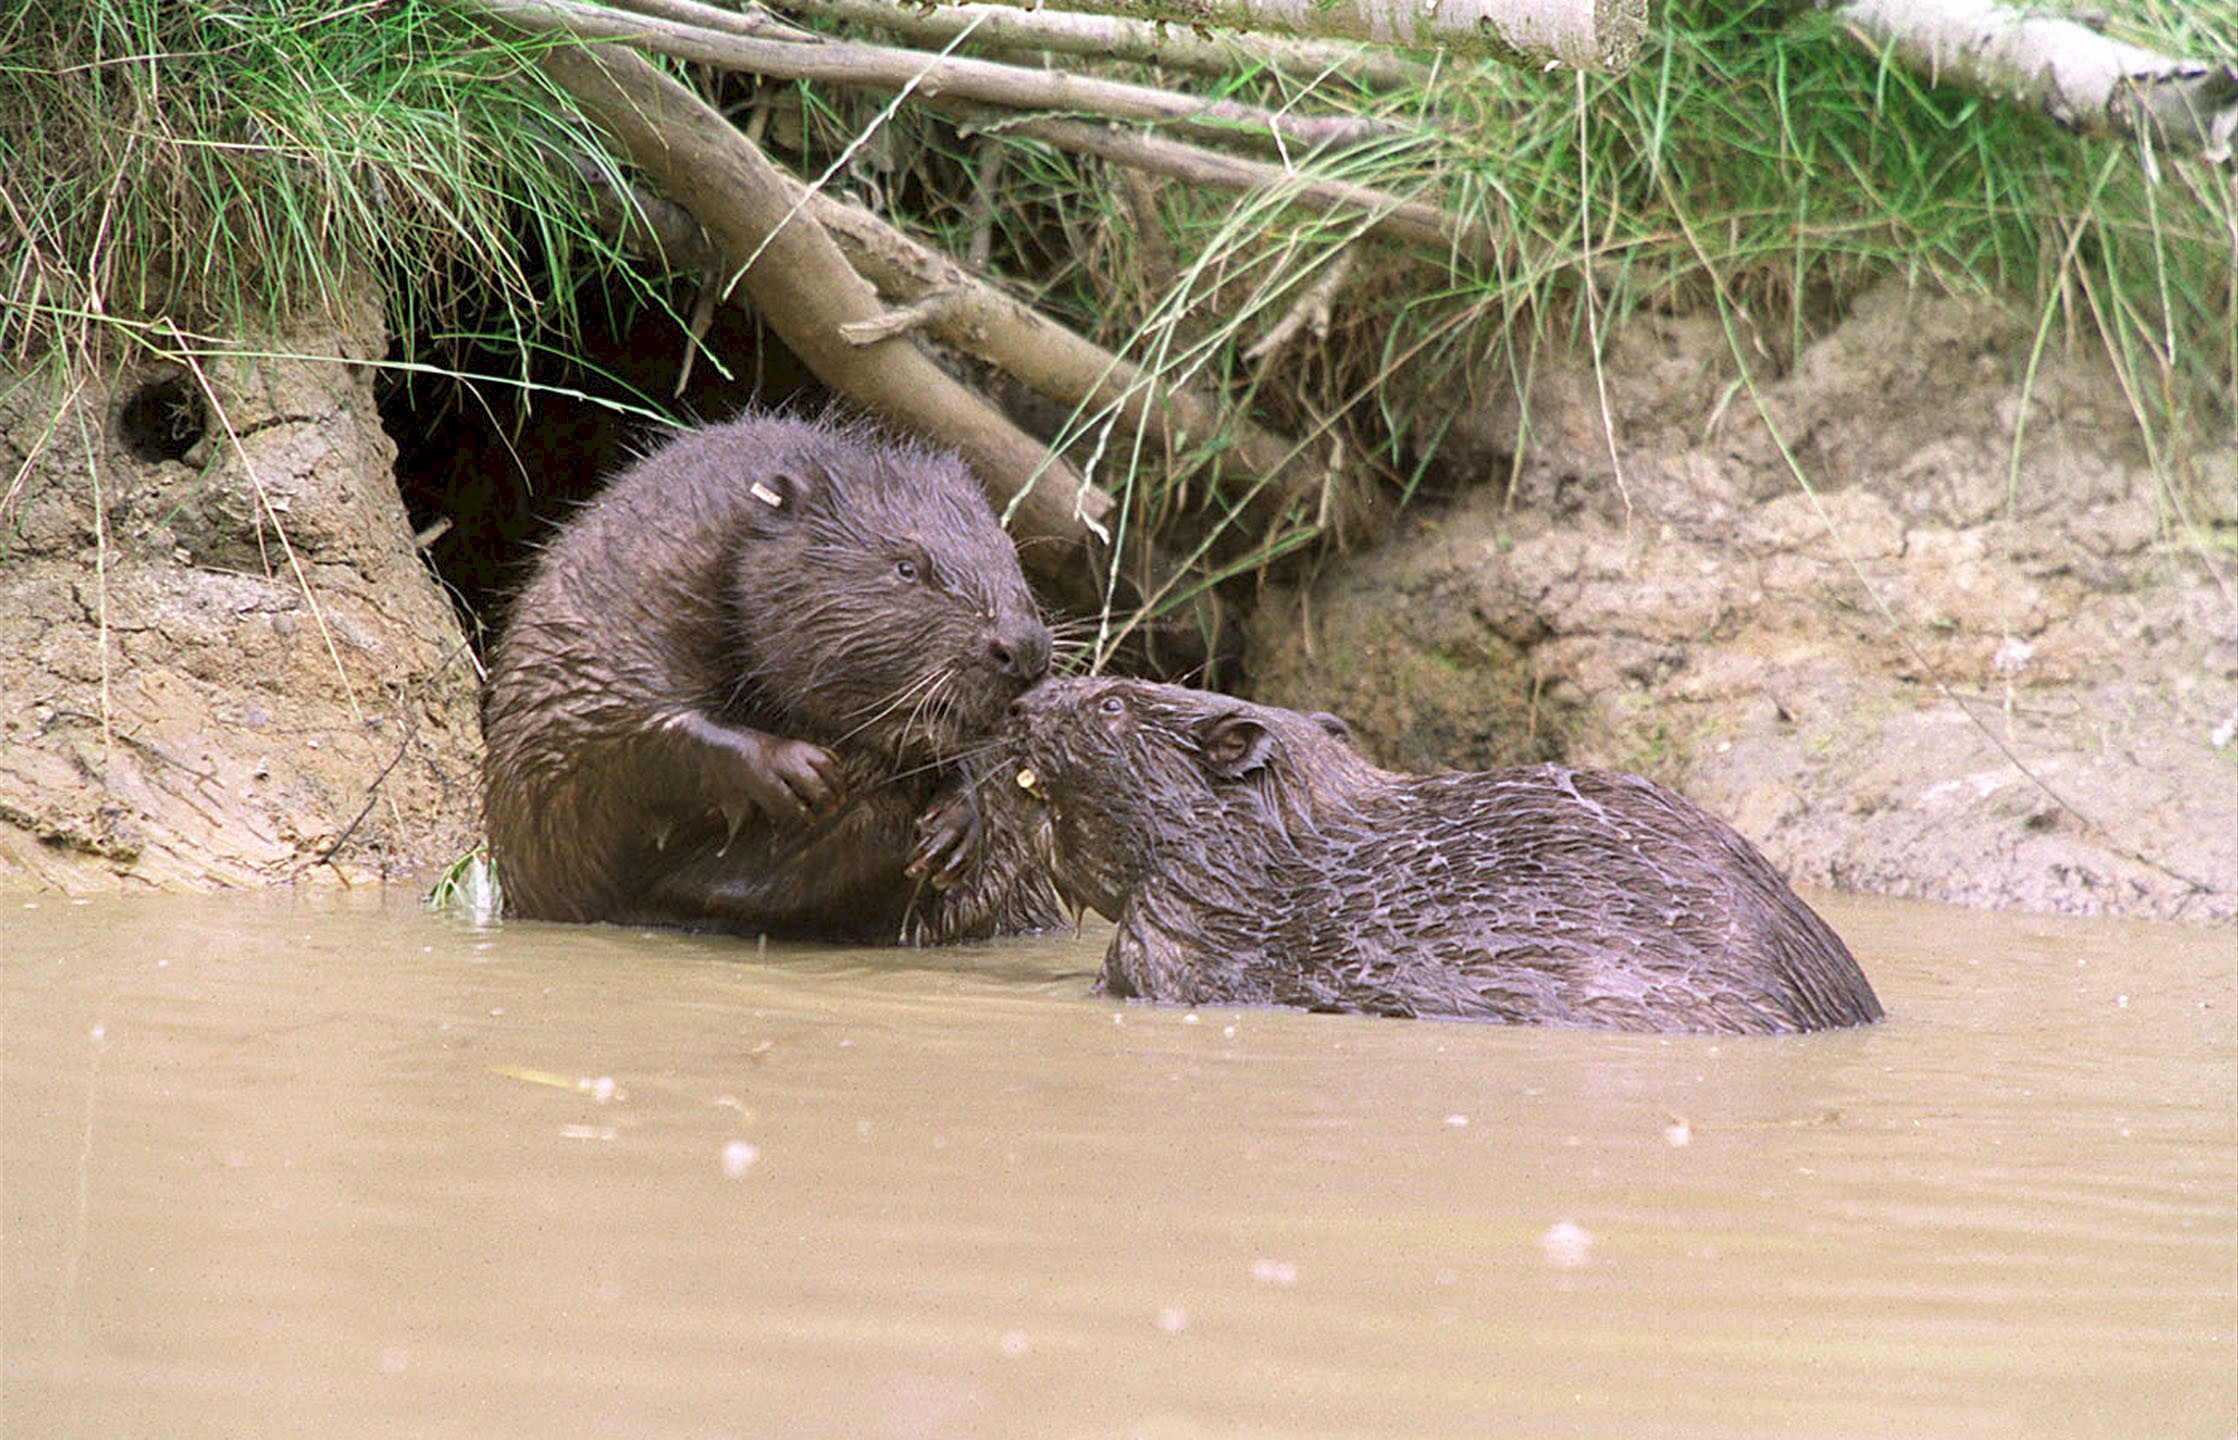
x=1252 y=855
x=733 y=710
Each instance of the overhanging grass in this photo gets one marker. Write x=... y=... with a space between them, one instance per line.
x=1773 y=170
x=227 y=166
x=217 y=166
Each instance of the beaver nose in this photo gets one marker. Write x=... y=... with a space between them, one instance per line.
x=1022 y=652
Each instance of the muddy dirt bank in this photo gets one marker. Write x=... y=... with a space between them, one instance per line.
x=1953 y=670
x=224 y=662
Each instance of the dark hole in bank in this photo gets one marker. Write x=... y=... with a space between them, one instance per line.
x=487 y=466
x=162 y=418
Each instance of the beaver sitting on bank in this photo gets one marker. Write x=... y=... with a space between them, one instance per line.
x=738 y=690
x=1251 y=855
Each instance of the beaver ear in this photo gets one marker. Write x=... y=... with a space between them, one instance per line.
x=783 y=495
x=1234 y=745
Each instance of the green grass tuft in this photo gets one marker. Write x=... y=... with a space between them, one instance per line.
x=218 y=167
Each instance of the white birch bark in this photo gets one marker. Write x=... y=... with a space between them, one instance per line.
x=1107 y=37
x=2077 y=76
x=1601 y=35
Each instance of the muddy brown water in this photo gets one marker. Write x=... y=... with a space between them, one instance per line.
x=352 y=1167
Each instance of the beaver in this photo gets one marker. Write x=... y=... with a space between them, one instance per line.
x=1253 y=855
x=743 y=690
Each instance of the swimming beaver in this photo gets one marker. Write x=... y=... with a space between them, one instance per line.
x=736 y=692
x=1251 y=855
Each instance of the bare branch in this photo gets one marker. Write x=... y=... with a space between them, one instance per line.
x=1408 y=221
x=752 y=19
x=1107 y=37
x=1309 y=312
x=1583 y=34
x=2071 y=72
x=1047 y=358
x=883 y=68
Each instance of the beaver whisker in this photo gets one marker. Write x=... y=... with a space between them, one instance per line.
x=907 y=702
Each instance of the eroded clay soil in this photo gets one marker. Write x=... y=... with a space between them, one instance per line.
x=1957 y=668
x=229 y=667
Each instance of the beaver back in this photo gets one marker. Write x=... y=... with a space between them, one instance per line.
x=1252 y=854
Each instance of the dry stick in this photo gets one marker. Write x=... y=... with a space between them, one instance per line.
x=752 y=20
x=1310 y=311
x=959 y=309
x=885 y=68
x=802 y=285
x=1107 y=37
x=1407 y=221
x=947 y=302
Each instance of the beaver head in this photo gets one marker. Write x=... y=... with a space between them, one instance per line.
x=1146 y=780
x=873 y=599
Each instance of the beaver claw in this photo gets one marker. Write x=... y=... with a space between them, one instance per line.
x=947 y=837
x=792 y=778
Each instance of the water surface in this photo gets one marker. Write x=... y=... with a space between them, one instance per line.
x=349 y=1167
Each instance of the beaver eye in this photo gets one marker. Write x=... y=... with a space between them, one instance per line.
x=1112 y=705
x=908 y=570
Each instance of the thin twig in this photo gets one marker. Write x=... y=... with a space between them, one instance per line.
x=1407 y=221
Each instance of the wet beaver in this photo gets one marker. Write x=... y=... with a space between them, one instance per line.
x=1252 y=855
x=740 y=689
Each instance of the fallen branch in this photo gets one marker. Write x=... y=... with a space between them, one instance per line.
x=930 y=293
x=887 y=69
x=752 y=20
x=1310 y=311
x=805 y=289
x=1407 y=221
x=959 y=309
x=2078 y=77
x=1107 y=37
x=1599 y=35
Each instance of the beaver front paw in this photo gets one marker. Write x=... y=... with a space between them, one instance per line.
x=788 y=779
x=947 y=836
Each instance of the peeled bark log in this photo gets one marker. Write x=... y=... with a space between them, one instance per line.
x=2077 y=76
x=1107 y=37
x=1601 y=35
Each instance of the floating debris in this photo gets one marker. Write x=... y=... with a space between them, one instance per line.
x=600 y=1088
x=1567 y=1244
x=1274 y=1272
